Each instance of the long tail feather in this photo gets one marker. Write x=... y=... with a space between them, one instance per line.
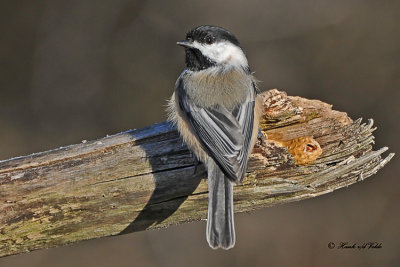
x=220 y=224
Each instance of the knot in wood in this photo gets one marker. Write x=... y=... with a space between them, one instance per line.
x=304 y=149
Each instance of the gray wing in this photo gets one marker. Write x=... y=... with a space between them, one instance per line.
x=225 y=135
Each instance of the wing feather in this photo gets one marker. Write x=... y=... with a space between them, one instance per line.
x=224 y=134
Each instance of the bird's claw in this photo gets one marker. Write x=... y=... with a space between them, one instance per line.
x=260 y=136
x=196 y=163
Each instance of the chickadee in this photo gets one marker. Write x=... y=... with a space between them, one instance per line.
x=217 y=111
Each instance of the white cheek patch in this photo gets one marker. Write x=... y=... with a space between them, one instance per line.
x=223 y=53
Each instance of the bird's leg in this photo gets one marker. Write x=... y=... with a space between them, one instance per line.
x=260 y=136
x=196 y=162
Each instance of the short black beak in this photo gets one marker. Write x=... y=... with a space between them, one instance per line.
x=184 y=43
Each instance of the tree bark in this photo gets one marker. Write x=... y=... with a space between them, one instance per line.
x=144 y=179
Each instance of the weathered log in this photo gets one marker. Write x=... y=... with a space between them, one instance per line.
x=144 y=179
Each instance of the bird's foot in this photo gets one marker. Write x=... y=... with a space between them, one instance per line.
x=196 y=163
x=260 y=137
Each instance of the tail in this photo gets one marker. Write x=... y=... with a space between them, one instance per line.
x=220 y=225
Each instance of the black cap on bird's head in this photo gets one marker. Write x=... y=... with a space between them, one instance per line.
x=212 y=46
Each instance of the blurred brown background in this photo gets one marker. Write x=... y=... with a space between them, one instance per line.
x=74 y=70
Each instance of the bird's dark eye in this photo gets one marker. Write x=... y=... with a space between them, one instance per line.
x=209 y=40
x=189 y=38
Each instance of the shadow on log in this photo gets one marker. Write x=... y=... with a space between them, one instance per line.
x=143 y=179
